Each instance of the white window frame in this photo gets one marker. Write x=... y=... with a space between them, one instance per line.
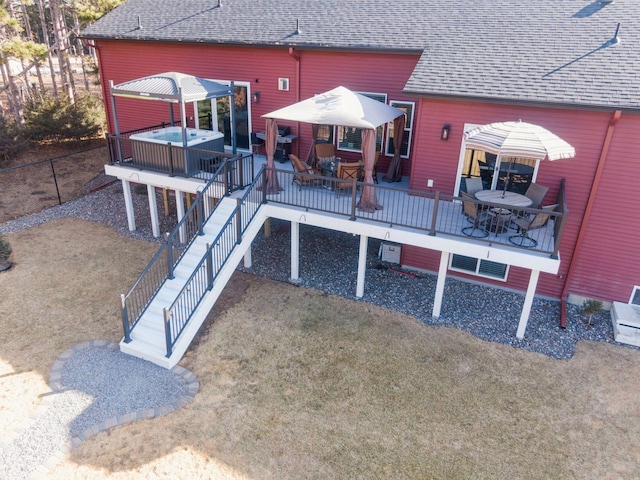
x=339 y=128
x=634 y=292
x=463 y=148
x=408 y=126
x=214 y=107
x=477 y=272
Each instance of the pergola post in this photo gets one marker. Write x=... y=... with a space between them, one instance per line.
x=180 y=213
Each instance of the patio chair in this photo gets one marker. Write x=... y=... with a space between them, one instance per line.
x=526 y=224
x=326 y=152
x=303 y=169
x=473 y=185
x=536 y=193
x=478 y=218
x=347 y=174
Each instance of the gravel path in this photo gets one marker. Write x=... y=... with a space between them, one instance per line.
x=94 y=387
x=87 y=398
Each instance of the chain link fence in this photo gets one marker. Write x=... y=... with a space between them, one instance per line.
x=34 y=186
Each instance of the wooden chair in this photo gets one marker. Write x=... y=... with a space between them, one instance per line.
x=303 y=170
x=536 y=193
x=347 y=173
x=256 y=143
x=478 y=218
x=525 y=224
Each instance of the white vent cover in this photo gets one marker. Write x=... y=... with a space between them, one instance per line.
x=283 y=84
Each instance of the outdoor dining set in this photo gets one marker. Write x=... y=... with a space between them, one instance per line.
x=500 y=211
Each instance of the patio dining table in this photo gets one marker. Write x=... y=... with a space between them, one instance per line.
x=501 y=217
x=508 y=199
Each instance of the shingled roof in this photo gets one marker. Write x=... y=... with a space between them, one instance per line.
x=557 y=52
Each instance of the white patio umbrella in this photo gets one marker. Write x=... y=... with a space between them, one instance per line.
x=518 y=139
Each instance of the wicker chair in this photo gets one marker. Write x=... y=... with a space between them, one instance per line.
x=526 y=224
x=303 y=170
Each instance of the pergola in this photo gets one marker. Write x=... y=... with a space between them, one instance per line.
x=342 y=107
x=173 y=87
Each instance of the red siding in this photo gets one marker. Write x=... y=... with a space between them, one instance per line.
x=121 y=61
x=608 y=264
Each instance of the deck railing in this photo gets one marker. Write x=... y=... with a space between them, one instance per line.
x=432 y=212
x=178 y=314
x=161 y=266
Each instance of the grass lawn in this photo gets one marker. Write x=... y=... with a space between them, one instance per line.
x=296 y=384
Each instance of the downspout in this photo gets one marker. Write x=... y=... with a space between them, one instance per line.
x=296 y=57
x=587 y=214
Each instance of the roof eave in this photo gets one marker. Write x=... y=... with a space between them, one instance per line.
x=299 y=46
x=521 y=102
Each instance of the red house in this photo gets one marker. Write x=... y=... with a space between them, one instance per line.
x=571 y=67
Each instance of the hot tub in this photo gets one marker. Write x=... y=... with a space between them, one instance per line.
x=154 y=150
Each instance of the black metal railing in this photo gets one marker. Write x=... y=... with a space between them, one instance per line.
x=432 y=212
x=163 y=263
x=216 y=255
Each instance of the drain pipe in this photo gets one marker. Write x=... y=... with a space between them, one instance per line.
x=587 y=214
x=296 y=57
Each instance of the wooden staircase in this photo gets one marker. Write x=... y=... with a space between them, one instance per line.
x=148 y=336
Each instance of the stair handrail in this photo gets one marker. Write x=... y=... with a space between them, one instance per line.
x=135 y=302
x=180 y=312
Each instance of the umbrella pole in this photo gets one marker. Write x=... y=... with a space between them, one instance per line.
x=506 y=178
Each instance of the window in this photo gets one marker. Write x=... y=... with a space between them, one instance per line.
x=325 y=134
x=635 y=296
x=407 y=108
x=350 y=139
x=481 y=268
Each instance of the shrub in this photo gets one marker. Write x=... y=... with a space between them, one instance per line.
x=5 y=249
x=10 y=141
x=56 y=119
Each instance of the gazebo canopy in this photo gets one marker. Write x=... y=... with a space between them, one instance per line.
x=172 y=87
x=339 y=106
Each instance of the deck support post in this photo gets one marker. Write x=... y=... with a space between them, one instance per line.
x=362 y=265
x=180 y=213
x=128 y=202
x=528 y=301
x=442 y=276
x=247 y=260
x=295 y=252
x=153 y=210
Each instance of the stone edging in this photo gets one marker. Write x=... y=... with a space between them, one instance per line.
x=188 y=379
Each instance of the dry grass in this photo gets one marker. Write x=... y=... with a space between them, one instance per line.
x=31 y=189
x=296 y=384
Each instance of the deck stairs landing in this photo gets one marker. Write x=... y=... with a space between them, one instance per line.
x=148 y=336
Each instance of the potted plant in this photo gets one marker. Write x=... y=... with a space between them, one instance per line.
x=591 y=307
x=5 y=253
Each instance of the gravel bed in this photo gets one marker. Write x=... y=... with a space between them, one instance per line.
x=328 y=262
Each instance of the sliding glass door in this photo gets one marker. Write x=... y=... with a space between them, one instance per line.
x=216 y=114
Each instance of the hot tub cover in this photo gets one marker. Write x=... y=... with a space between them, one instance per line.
x=166 y=87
